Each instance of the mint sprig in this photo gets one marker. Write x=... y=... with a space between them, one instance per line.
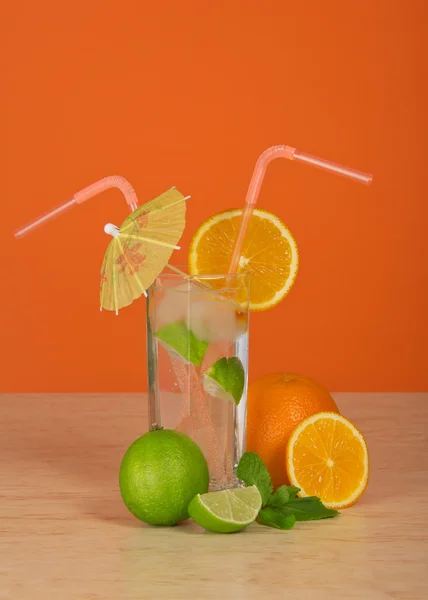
x=309 y=508
x=280 y=496
x=252 y=471
x=273 y=517
x=280 y=508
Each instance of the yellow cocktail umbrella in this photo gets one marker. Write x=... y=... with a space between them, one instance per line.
x=140 y=249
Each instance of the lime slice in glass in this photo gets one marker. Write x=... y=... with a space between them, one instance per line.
x=227 y=511
x=225 y=379
x=178 y=337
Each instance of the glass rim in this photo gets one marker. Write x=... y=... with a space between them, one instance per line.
x=186 y=275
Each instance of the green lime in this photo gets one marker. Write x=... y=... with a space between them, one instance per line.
x=159 y=475
x=181 y=339
x=226 y=511
x=225 y=379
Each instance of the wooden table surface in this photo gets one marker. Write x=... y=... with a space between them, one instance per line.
x=65 y=534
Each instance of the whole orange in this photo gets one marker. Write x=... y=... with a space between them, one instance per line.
x=276 y=404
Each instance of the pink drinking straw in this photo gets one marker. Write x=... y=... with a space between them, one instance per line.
x=114 y=181
x=257 y=179
x=125 y=187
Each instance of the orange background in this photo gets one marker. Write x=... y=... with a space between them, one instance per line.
x=190 y=93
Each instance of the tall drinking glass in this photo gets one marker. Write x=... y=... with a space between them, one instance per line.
x=197 y=347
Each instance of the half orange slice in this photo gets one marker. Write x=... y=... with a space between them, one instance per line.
x=327 y=457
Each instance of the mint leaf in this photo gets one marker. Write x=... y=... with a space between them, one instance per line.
x=307 y=509
x=273 y=517
x=293 y=491
x=252 y=471
x=280 y=497
x=177 y=336
x=282 y=508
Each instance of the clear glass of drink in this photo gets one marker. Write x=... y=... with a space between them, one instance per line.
x=197 y=347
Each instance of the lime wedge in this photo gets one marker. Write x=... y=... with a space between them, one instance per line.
x=178 y=337
x=227 y=511
x=225 y=379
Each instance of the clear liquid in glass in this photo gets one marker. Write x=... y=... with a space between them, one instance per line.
x=205 y=322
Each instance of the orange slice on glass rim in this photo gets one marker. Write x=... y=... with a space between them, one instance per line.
x=269 y=253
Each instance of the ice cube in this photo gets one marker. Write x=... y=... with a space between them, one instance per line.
x=212 y=318
x=174 y=305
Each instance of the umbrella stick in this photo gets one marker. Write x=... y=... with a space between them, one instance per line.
x=183 y=274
